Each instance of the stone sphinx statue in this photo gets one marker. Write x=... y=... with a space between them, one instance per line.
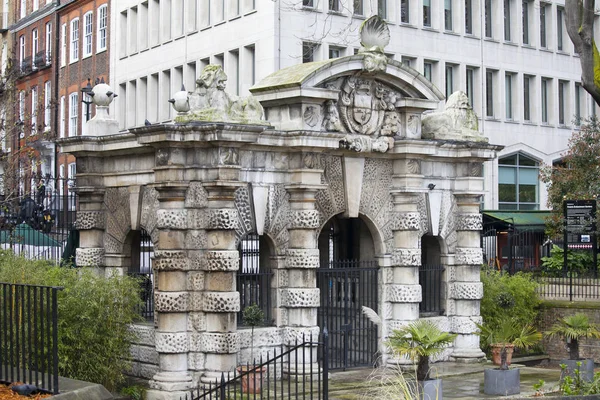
x=210 y=101
x=458 y=121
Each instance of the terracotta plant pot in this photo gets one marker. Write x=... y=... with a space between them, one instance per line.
x=497 y=350
x=253 y=380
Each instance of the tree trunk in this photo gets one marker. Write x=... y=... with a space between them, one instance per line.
x=503 y=357
x=423 y=368
x=579 y=22
x=574 y=349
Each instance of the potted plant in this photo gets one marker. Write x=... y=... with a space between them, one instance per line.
x=252 y=376
x=506 y=336
x=420 y=341
x=572 y=329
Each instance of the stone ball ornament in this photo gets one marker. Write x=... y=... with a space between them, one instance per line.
x=181 y=101
x=102 y=95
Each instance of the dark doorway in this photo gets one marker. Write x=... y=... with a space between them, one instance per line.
x=431 y=273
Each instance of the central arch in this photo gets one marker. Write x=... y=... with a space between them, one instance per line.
x=348 y=280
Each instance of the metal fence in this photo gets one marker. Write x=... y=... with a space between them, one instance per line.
x=430 y=278
x=29 y=335
x=300 y=372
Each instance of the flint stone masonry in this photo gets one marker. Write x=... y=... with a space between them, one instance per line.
x=300 y=298
x=302 y=258
x=90 y=220
x=90 y=257
x=221 y=302
x=469 y=256
x=466 y=290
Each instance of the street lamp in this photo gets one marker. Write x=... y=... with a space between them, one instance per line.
x=87 y=98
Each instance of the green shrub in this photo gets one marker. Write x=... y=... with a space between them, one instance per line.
x=94 y=315
x=577 y=261
x=509 y=295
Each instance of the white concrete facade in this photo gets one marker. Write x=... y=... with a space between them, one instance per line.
x=160 y=44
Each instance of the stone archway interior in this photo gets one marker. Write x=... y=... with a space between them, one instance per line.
x=344 y=239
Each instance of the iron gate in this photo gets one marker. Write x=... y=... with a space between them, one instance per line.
x=345 y=287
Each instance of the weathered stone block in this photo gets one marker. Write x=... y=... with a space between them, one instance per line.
x=466 y=290
x=89 y=257
x=172 y=342
x=302 y=258
x=221 y=301
x=468 y=256
x=172 y=219
x=406 y=257
x=469 y=222
x=171 y=301
x=170 y=260
x=223 y=218
x=464 y=325
x=405 y=221
x=222 y=260
x=402 y=293
x=90 y=220
x=304 y=219
x=300 y=297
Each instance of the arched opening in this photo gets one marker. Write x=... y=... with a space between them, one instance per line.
x=348 y=280
x=140 y=249
x=431 y=278
x=254 y=276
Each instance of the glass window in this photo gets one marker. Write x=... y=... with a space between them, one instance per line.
x=448 y=15
x=334 y=52
x=468 y=17
x=34 y=44
x=404 y=12
x=308 y=52
x=47 y=97
x=449 y=80
x=470 y=85
x=48 y=43
x=507 y=20
x=526 y=22
x=73 y=113
x=542 y=25
x=87 y=36
x=427 y=70
x=544 y=91
x=489 y=93
x=23 y=8
x=427 y=13
x=62 y=116
x=518 y=183
x=74 y=40
x=508 y=94
x=36 y=5
x=559 y=28
x=102 y=26
x=488 y=19
x=34 y=103
x=561 y=102
x=577 y=104
x=309 y=3
x=382 y=8
x=526 y=98
x=358 y=6
x=21 y=50
x=334 y=5
x=63 y=47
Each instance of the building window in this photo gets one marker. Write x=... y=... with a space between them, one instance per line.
x=542 y=25
x=34 y=103
x=36 y=5
x=470 y=85
x=48 y=43
x=309 y=3
x=62 y=116
x=427 y=70
x=507 y=20
x=334 y=5
x=577 y=120
x=254 y=277
x=21 y=50
x=382 y=8
x=102 y=28
x=449 y=80
x=63 y=47
x=526 y=22
x=87 y=36
x=562 y=88
x=74 y=40
x=73 y=112
x=544 y=92
x=427 y=13
x=22 y=106
x=404 y=11
x=488 y=18
x=358 y=7
x=508 y=95
x=23 y=8
x=335 y=52
x=47 y=106
x=518 y=183
x=35 y=45
x=308 y=52
x=559 y=28
x=489 y=93
x=468 y=17
x=448 y=15
x=526 y=98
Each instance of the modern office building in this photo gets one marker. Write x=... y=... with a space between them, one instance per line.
x=513 y=59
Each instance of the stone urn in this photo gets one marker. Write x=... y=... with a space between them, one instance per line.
x=501 y=382
x=497 y=352
x=586 y=369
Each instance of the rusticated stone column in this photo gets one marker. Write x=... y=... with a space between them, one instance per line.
x=401 y=289
x=464 y=287
x=300 y=298
x=171 y=299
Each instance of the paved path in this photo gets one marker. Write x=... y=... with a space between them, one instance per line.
x=460 y=381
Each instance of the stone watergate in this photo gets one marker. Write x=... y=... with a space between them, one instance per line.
x=344 y=137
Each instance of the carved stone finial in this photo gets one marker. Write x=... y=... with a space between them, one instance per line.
x=103 y=95
x=374 y=36
x=102 y=124
x=180 y=101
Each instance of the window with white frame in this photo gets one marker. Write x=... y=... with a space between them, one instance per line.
x=489 y=29
x=73 y=113
x=36 y=5
x=334 y=5
x=71 y=183
x=469 y=17
x=543 y=42
x=427 y=13
x=47 y=97
x=449 y=79
x=562 y=94
x=358 y=6
x=577 y=117
x=61 y=183
x=448 y=15
x=34 y=45
x=527 y=82
x=508 y=95
x=489 y=93
x=23 y=8
x=525 y=23
x=34 y=103
x=102 y=28
x=21 y=50
x=404 y=11
x=308 y=51
x=87 y=34
x=518 y=183
x=428 y=70
x=544 y=94
x=74 y=40
x=22 y=106
x=470 y=85
x=382 y=8
x=62 y=117
x=560 y=12
x=48 y=42
x=335 y=52
x=63 y=45
x=507 y=36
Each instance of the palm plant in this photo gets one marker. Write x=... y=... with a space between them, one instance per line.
x=572 y=328
x=420 y=341
x=508 y=332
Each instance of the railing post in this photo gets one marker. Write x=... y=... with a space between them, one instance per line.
x=325 y=364
x=55 y=340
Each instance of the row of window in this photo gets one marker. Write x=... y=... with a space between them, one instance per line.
x=147 y=97
x=35 y=98
x=154 y=22
x=500 y=18
x=38 y=58
x=35 y=5
x=518 y=187
x=86 y=33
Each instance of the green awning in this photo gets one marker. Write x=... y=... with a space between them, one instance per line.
x=533 y=219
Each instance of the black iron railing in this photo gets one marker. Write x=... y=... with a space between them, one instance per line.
x=29 y=335
x=146 y=308
x=255 y=288
x=574 y=286
x=300 y=372
x=430 y=279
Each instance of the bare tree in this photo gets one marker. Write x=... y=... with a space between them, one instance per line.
x=579 y=15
